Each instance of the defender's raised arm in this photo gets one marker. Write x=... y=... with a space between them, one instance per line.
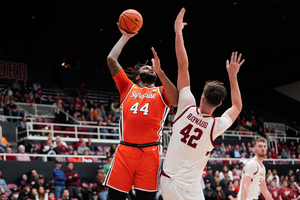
x=183 y=79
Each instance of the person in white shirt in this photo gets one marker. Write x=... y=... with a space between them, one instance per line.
x=254 y=173
x=194 y=129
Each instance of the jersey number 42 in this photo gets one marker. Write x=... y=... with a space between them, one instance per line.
x=187 y=138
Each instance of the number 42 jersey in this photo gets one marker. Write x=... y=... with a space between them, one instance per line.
x=191 y=142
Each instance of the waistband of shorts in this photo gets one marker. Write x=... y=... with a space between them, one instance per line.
x=140 y=145
x=164 y=174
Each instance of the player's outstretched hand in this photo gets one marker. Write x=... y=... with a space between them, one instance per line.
x=124 y=33
x=155 y=62
x=234 y=65
x=179 y=24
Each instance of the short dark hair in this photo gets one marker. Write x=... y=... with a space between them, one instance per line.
x=214 y=92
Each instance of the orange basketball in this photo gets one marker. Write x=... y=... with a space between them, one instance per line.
x=131 y=21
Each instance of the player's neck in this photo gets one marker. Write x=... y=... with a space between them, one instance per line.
x=260 y=159
x=142 y=84
x=205 y=110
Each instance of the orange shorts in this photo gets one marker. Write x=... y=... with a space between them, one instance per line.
x=133 y=167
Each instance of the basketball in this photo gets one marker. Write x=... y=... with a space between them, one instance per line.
x=131 y=21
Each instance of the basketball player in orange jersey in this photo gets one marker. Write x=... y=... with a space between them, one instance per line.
x=144 y=109
x=194 y=129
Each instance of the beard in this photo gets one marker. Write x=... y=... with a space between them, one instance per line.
x=148 y=78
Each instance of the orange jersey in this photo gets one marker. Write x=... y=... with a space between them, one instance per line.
x=144 y=111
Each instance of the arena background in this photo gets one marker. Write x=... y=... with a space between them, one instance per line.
x=40 y=33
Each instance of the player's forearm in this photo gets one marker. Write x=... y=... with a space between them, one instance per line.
x=236 y=97
x=112 y=58
x=169 y=87
x=267 y=194
x=181 y=54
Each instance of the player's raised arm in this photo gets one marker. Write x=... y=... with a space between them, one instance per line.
x=170 y=89
x=233 y=68
x=112 y=58
x=183 y=79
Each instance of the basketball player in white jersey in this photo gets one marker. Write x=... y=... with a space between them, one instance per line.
x=254 y=173
x=194 y=129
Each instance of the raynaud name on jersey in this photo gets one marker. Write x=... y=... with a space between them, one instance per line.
x=135 y=94
x=196 y=121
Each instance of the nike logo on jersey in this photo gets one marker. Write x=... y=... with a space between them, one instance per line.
x=154 y=149
x=135 y=95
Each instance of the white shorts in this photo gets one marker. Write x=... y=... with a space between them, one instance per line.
x=170 y=191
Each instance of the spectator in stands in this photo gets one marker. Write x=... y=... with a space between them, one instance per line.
x=99 y=180
x=36 y=86
x=102 y=130
x=49 y=149
x=23 y=123
x=40 y=126
x=235 y=175
x=90 y=145
x=230 y=193
x=14 y=195
x=30 y=98
x=58 y=104
x=60 y=149
x=114 y=146
x=82 y=148
x=40 y=182
x=38 y=96
x=285 y=191
x=106 y=166
x=224 y=181
x=26 y=192
x=58 y=140
x=217 y=176
x=4 y=143
x=34 y=157
x=274 y=191
x=24 y=181
x=41 y=194
x=51 y=196
x=33 y=177
x=254 y=124
x=87 y=159
x=8 y=91
x=113 y=131
x=222 y=147
x=225 y=168
x=72 y=181
x=236 y=152
x=236 y=184
x=75 y=159
x=244 y=159
x=292 y=147
x=3 y=183
x=220 y=193
x=81 y=90
x=13 y=109
x=209 y=193
x=102 y=111
x=273 y=153
x=24 y=156
x=24 y=88
x=284 y=154
x=115 y=109
x=65 y=194
x=59 y=179
x=272 y=176
x=210 y=177
x=77 y=104
x=91 y=104
x=17 y=96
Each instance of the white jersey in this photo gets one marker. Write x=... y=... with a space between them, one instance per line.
x=191 y=142
x=257 y=173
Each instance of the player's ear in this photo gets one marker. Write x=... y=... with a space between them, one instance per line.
x=220 y=103
x=137 y=77
x=202 y=98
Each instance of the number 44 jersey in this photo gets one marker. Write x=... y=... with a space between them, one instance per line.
x=144 y=111
x=191 y=142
